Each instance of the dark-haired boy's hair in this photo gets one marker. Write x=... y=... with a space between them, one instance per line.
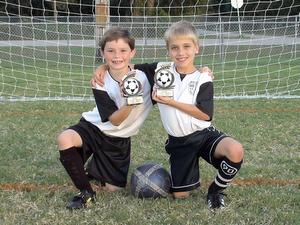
x=116 y=33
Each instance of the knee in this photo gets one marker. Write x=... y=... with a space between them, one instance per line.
x=61 y=139
x=181 y=194
x=236 y=152
x=64 y=140
x=111 y=188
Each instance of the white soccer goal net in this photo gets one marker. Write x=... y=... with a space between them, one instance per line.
x=49 y=48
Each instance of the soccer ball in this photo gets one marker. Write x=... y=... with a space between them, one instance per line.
x=164 y=78
x=131 y=86
x=150 y=180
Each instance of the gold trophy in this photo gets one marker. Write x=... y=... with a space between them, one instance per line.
x=164 y=80
x=132 y=89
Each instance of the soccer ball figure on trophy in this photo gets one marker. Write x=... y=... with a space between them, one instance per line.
x=132 y=89
x=164 y=80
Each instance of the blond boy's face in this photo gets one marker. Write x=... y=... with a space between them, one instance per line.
x=118 y=54
x=182 y=51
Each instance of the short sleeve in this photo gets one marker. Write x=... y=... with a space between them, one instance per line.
x=148 y=69
x=204 y=100
x=106 y=106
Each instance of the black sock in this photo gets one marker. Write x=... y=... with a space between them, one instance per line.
x=227 y=171
x=73 y=163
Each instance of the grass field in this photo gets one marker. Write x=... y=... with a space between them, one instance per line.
x=34 y=187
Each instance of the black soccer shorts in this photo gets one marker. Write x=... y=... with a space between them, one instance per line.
x=110 y=158
x=184 y=157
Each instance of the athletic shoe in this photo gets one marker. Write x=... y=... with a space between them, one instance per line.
x=215 y=200
x=82 y=200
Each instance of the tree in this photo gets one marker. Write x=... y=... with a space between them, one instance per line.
x=149 y=7
x=120 y=7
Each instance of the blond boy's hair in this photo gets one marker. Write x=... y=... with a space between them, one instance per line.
x=181 y=28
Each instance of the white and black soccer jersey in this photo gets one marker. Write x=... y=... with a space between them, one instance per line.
x=109 y=99
x=189 y=138
x=195 y=88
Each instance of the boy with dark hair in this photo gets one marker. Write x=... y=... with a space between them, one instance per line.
x=103 y=134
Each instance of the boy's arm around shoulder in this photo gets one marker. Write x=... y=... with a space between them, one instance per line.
x=99 y=73
x=98 y=76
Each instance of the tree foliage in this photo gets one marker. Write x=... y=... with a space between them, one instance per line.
x=149 y=7
x=258 y=7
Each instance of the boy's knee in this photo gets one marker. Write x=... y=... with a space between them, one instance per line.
x=184 y=194
x=240 y=151
x=61 y=138
x=236 y=152
x=65 y=139
x=111 y=188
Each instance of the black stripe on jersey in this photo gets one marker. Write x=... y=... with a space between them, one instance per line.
x=204 y=100
x=106 y=106
x=149 y=70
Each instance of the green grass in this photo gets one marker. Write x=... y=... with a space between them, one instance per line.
x=34 y=187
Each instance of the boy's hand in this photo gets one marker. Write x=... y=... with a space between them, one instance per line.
x=206 y=69
x=161 y=99
x=98 y=76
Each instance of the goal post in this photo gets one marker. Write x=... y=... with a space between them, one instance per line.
x=102 y=23
x=237 y=4
x=49 y=51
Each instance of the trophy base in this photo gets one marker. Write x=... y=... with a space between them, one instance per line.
x=164 y=92
x=135 y=100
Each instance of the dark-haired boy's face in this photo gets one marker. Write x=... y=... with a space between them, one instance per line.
x=118 y=54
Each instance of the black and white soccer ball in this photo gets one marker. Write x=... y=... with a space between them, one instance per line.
x=150 y=180
x=131 y=86
x=164 y=78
